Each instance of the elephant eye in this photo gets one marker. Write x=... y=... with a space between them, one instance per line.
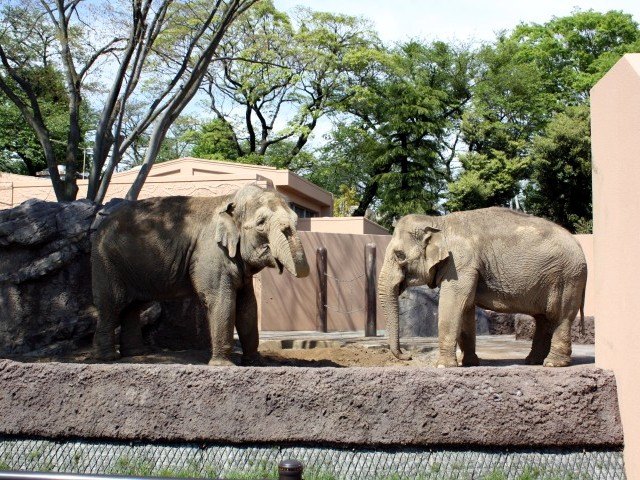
x=400 y=256
x=261 y=221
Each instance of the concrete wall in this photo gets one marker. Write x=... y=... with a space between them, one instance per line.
x=586 y=242
x=289 y=303
x=426 y=407
x=615 y=131
x=353 y=225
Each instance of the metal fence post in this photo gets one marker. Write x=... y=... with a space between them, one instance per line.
x=370 y=289
x=290 y=470
x=321 y=266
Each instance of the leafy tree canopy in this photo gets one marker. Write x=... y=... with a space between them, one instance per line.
x=530 y=82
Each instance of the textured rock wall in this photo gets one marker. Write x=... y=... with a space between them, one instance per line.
x=525 y=326
x=45 y=277
x=483 y=406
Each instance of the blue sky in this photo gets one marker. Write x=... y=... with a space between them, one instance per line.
x=463 y=20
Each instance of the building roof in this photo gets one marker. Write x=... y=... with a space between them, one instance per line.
x=187 y=167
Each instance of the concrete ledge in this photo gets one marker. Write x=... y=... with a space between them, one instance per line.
x=483 y=406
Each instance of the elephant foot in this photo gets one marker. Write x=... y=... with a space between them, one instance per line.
x=105 y=355
x=533 y=359
x=555 y=360
x=470 y=360
x=252 y=360
x=445 y=362
x=134 y=350
x=400 y=355
x=221 y=362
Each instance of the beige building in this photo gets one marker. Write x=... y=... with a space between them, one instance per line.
x=185 y=176
x=200 y=177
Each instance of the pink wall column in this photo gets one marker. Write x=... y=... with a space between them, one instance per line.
x=615 y=129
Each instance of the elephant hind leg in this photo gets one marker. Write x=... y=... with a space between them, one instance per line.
x=467 y=339
x=560 y=351
x=541 y=341
x=131 y=342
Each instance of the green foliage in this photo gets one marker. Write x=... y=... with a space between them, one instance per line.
x=20 y=151
x=345 y=202
x=401 y=113
x=493 y=180
x=527 y=127
x=214 y=141
x=575 y=51
x=561 y=161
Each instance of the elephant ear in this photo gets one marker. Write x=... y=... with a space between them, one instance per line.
x=227 y=233
x=435 y=250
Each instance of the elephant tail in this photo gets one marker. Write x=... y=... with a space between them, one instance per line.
x=584 y=291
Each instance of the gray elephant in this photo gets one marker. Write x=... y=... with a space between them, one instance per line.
x=172 y=247
x=497 y=259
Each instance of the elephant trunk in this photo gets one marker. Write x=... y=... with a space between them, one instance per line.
x=389 y=290
x=287 y=249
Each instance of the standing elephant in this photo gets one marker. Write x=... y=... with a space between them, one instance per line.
x=494 y=258
x=172 y=247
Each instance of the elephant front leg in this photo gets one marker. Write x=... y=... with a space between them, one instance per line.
x=104 y=339
x=467 y=338
x=247 y=324
x=221 y=315
x=456 y=298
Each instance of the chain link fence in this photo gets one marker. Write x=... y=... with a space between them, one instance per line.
x=253 y=461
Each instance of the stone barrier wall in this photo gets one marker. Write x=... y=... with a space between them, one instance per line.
x=373 y=407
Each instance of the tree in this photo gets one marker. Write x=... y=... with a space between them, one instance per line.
x=561 y=161
x=279 y=76
x=528 y=78
x=162 y=50
x=396 y=143
x=19 y=144
x=215 y=140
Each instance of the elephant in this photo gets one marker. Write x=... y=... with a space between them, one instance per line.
x=495 y=258
x=172 y=247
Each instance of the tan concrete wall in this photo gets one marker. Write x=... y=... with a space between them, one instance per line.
x=586 y=242
x=353 y=225
x=615 y=131
x=289 y=303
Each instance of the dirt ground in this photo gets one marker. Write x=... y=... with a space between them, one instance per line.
x=338 y=356
x=493 y=350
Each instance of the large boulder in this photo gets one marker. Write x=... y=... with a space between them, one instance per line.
x=525 y=327
x=45 y=277
x=419 y=315
x=46 y=304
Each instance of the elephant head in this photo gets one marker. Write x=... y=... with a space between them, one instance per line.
x=261 y=225
x=412 y=258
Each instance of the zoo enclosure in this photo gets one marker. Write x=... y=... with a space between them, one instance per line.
x=289 y=303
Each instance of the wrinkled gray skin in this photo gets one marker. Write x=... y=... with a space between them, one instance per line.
x=170 y=247
x=494 y=258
